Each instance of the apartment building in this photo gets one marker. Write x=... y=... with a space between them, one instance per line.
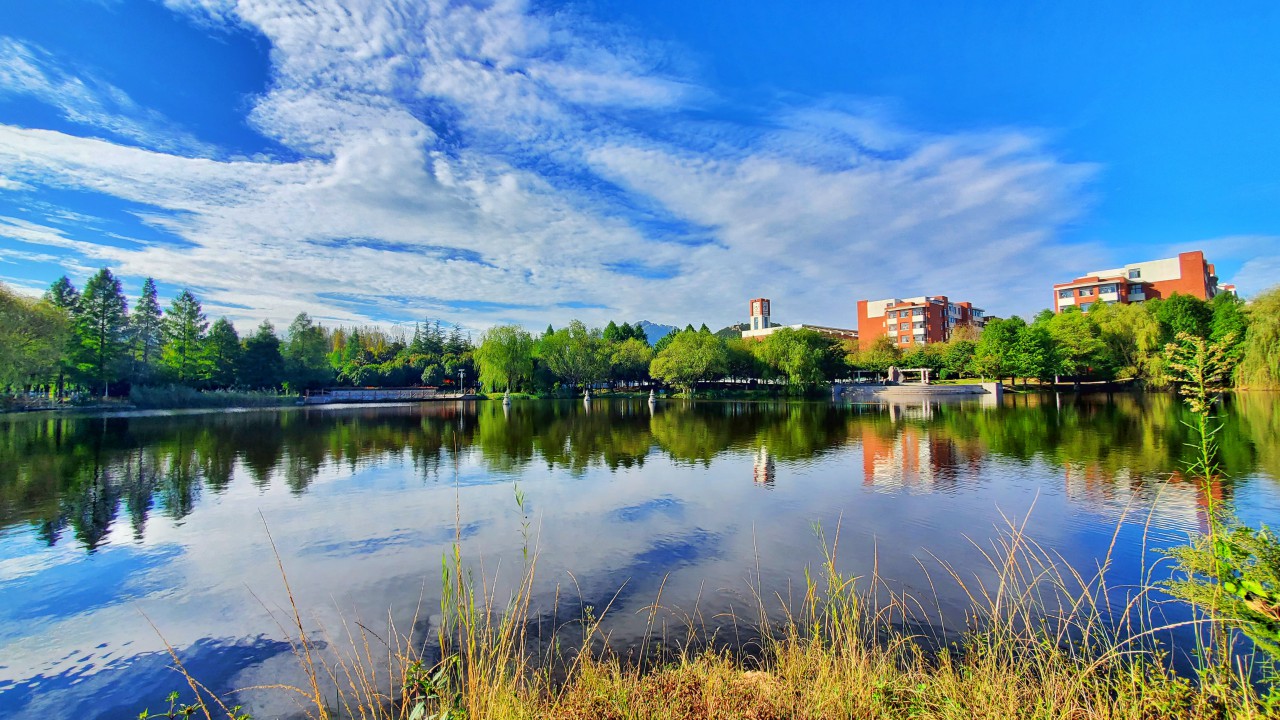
x=1188 y=274
x=761 y=326
x=918 y=320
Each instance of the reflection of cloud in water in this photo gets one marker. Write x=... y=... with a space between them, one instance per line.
x=123 y=686
x=362 y=504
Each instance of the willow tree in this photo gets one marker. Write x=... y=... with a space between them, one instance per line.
x=505 y=357
x=33 y=336
x=692 y=357
x=575 y=354
x=1260 y=363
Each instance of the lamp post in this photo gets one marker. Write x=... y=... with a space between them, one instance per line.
x=462 y=381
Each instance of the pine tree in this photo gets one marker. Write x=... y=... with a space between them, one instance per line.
x=222 y=349
x=64 y=296
x=145 y=332
x=100 y=322
x=184 y=328
x=306 y=366
x=612 y=333
x=261 y=365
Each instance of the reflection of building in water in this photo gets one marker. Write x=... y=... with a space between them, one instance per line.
x=1178 y=501
x=764 y=467
x=913 y=411
x=914 y=457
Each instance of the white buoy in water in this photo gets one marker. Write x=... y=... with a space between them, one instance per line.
x=586 y=395
x=652 y=397
x=506 y=399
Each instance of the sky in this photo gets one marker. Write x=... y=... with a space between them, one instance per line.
x=513 y=162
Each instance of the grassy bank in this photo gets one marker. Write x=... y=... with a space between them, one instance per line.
x=1038 y=641
x=180 y=397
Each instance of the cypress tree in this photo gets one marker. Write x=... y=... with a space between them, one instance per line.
x=184 y=328
x=145 y=331
x=100 y=322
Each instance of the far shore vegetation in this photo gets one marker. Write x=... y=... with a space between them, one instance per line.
x=89 y=345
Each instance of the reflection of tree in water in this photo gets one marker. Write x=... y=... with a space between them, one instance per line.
x=83 y=473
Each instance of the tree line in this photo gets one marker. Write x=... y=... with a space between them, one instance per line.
x=90 y=341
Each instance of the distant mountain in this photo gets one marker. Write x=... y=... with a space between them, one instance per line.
x=733 y=331
x=654 y=332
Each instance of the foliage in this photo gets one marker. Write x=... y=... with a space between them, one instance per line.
x=33 y=337
x=183 y=328
x=306 y=364
x=575 y=354
x=630 y=360
x=146 y=332
x=222 y=351
x=1079 y=341
x=1202 y=369
x=1260 y=359
x=883 y=354
x=1180 y=313
x=100 y=322
x=690 y=357
x=261 y=364
x=995 y=355
x=802 y=357
x=505 y=357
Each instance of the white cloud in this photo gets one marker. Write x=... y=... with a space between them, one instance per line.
x=82 y=98
x=475 y=163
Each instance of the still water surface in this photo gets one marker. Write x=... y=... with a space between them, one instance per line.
x=110 y=525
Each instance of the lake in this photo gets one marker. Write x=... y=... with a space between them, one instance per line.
x=119 y=534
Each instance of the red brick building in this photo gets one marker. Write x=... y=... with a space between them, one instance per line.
x=1187 y=274
x=914 y=321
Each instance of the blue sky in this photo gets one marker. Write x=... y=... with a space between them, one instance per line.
x=531 y=162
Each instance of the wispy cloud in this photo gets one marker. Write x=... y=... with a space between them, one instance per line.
x=84 y=99
x=505 y=163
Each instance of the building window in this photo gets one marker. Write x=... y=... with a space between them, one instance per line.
x=919 y=326
x=1085 y=307
x=1107 y=289
x=917 y=312
x=1086 y=292
x=1135 y=289
x=1065 y=293
x=1135 y=274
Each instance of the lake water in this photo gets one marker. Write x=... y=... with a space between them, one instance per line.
x=121 y=534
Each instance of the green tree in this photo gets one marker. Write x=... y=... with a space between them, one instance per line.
x=33 y=338
x=505 y=357
x=691 y=357
x=957 y=359
x=630 y=360
x=612 y=333
x=184 y=327
x=64 y=296
x=145 y=332
x=1180 y=313
x=261 y=364
x=802 y=357
x=306 y=365
x=1131 y=339
x=883 y=354
x=576 y=355
x=1036 y=354
x=1079 y=340
x=100 y=322
x=1229 y=318
x=995 y=355
x=1260 y=358
x=222 y=347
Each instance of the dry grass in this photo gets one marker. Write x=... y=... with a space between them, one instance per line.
x=1041 y=640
